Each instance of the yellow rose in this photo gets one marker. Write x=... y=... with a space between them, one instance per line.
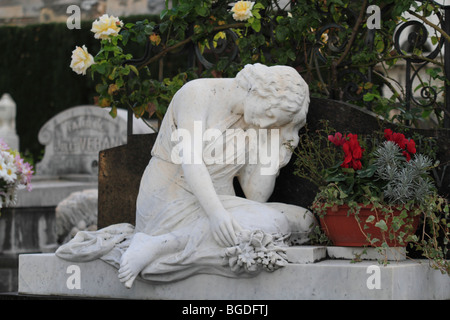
x=81 y=60
x=242 y=10
x=106 y=26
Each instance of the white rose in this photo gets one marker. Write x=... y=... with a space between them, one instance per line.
x=81 y=60
x=106 y=26
x=242 y=10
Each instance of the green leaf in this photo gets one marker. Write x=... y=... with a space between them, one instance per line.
x=281 y=33
x=201 y=11
x=336 y=178
x=434 y=40
x=126 y=70
x=148 y=30
x=291 y=54
x=256 y=25
x=134 y=69
x=119 y=82
x=342 y=194
x=113 y=112
x=368 y=172
x=163 y=13
x=368 y=97
x=382 y=225
x=434 y=72
x=348 y=170
x=113 y=74
x=101 y=88
x=370 y=219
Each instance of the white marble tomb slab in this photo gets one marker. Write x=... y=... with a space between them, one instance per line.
x=46 y=274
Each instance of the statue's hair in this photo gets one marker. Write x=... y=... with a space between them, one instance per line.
x=284 y=88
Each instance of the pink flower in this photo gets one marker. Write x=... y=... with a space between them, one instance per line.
x=3 y=145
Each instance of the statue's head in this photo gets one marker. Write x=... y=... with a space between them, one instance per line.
x=277 y=95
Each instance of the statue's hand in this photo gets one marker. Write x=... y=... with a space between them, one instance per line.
x=224 y=228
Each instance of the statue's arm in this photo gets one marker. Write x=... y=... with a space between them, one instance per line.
x=189 y=109
x=256 y=186
x=258 y=180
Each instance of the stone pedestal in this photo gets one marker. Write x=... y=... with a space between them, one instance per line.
x=309 y=276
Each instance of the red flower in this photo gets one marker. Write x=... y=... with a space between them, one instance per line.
x=353 y=152
x=411 y=146
x=337 y=139
x=408 y=145
x=407 y=155
x=388 y=134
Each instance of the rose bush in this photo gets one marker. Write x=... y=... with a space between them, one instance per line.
x=323 y=40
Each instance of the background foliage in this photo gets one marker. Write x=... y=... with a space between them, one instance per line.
x=35 y=70
x=325 y=40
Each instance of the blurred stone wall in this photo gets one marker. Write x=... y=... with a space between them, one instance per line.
x=24 y=12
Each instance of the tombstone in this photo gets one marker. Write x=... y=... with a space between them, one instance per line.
x=74 y=137
x=8 y=121
x=310 y=274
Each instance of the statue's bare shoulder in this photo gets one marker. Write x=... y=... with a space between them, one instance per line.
x=198 y=98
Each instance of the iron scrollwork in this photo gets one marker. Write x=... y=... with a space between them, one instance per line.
x=222 y=45
x=416 y=38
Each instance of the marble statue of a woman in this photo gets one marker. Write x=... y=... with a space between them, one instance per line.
x=188 y=218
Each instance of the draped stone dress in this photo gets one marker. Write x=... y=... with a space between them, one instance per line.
x=166 y=205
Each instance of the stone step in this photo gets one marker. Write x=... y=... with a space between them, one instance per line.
x=327 y=279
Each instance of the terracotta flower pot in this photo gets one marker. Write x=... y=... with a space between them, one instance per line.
x=345 y=230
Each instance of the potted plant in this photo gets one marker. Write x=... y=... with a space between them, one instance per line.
x=374 y=191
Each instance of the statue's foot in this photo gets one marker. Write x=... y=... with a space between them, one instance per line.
x=135 y=258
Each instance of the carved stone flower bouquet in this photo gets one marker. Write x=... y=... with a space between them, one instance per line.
x=15 y=174
x=256 y=251
x=375 y=191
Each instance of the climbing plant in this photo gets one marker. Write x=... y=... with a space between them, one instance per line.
x=343 y=48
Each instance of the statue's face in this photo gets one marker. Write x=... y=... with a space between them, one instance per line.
x=257 y=112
